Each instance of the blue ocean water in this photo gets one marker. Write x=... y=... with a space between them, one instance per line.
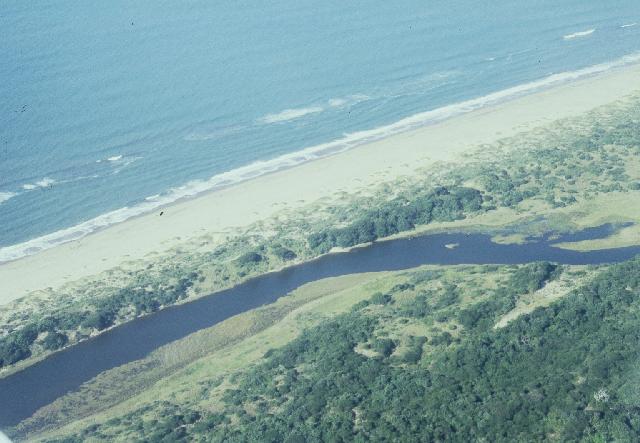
x=110 y=109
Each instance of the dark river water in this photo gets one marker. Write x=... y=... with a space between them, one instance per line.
x=21 y=394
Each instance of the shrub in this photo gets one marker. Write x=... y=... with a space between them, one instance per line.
x=249 y=258
x=99 y=320
x=54 y=340
x=384 y=346
x=381 y=299
x=283 y=253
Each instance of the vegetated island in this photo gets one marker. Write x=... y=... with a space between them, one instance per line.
x=513 y=173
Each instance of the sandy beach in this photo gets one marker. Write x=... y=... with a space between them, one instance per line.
x=219 y=211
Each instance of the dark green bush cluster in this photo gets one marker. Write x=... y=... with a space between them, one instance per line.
x=54 y=340
x=532 y=277
x=443 y=338
x=170 y=426
x=419 y=308
x=400 y=214
x=16 y=345
x=283 y=253
x=505 y=187
x=142 y=300
x=381 y=299
x=450 y=296
x=249 y=258
x=525 y=279
x=384 y=346
x=482 y=315
x=414 y=350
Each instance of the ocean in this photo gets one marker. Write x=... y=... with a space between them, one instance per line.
x=114 y=109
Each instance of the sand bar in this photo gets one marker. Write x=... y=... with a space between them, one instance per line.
x=263 y=196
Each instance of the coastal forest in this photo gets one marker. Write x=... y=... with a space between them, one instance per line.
x=565 y=372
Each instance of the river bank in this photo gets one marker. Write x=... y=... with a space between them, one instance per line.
x=200 y=371
x=24 y=392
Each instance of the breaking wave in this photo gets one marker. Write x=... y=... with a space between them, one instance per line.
x=290 y=114
x=43 y=183
x=579 y=34
x=5 y=195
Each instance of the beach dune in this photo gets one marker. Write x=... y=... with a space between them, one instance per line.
x=359 y=168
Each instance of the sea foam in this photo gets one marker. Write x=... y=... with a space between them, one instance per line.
x=5 y=195
x=296 y=113
x=43 y=183
x=290 y=114
x=286 y=161
x=579 y=34
x=212 y=133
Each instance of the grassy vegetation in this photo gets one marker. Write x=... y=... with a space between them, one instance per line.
x=412 y=355
x=548 y=179
x=212 y=352
x=617 y=207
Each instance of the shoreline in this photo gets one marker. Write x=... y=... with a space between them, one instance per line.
x=216 y=212
x=260 y=168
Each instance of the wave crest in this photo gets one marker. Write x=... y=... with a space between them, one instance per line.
x=296 y=113
x=6 y=195
x=212 y=133
x=290 y=114
x=43 y=183
x=579 y=34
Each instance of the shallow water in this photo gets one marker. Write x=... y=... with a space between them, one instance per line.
x=112 y=108
x=24 y=392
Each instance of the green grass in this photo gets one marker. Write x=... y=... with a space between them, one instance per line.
x=174 y=370
x=607 y=208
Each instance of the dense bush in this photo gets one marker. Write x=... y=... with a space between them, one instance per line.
x=381 y=299
x=248 y=258
x=440 y=204
x=532 y=277
x=283 y=253
x=414 y=350
x=14 y=349
x=419 y=308
x=514 y=384
x=443 y=338
x=384 y=346
x=16 y=345
x=525 y=279
x=54 y=340
x=567 y=372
